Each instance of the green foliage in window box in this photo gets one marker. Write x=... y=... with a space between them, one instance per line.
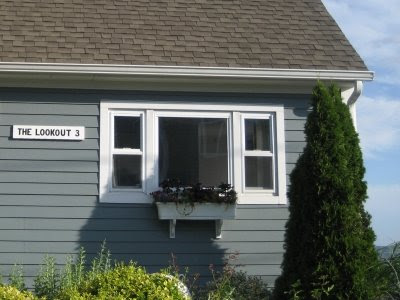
x=173 y=191
x=329 y=242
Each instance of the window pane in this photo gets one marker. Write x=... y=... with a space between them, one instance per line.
x=193 y=150
x=127 y=132
x=127 y=171
x=258 y=172
x=257 y=134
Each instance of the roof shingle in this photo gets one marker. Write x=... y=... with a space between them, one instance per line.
x=219 y=33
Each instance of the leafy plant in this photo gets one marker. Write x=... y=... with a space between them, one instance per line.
x=74 y=272
x=47 y=282
x=231 y=284
x=329 y=240
x=387 y=273
x=174 y=191
x=102 y=262
x=126 y=282
x=16 y=277
x=8 y=292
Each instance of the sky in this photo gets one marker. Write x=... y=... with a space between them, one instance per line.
x=373 y=28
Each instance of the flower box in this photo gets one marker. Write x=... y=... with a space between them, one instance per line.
x=196 y=211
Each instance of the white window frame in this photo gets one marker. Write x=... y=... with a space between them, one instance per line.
x=259 y=153
x=126 y=151
x=151 y=112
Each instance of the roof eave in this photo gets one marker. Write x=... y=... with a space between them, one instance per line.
x=182 y=71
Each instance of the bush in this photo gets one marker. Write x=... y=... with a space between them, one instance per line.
x=387 y=273
x=47 y=281
x=16 y=277
x=125 y=282
x=8 y=292
x=233 y=285
x=329 y=242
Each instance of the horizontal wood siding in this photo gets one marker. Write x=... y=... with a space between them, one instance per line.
x=49 y=192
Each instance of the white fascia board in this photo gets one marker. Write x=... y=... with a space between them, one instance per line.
x=182 y=71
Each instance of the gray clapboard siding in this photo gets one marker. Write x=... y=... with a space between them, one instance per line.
x=123 y=224
x=26 y=108
x=294 y=136
x=60 y=120
x=48 y=177
x=136 y=236
x=50 y=154
x=111 y=212
x=295 y=124
x=291 y=158
x=150 y=258
x=48 y=191
x=171 y=246
x=87 y=144
x=49 y=166
x=294 y=146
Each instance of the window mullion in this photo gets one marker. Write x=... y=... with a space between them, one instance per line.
x=127 y=151
x=258 y=153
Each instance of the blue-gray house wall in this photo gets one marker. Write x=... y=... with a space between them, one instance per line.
x=49 y=192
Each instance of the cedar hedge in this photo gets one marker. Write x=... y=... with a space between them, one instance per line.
x=329 y=242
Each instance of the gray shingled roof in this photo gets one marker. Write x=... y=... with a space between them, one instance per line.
x=296 y=34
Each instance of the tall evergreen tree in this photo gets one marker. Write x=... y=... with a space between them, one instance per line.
x=329 y=242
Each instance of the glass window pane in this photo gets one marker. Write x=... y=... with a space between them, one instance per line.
x=127 y=171
x=193 y=150
x=258 y=172
x=257 y=134
x=127 y=132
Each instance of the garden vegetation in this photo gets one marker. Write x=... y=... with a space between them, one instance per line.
x=329 y=243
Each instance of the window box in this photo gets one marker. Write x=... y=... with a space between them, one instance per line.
x=196 y=211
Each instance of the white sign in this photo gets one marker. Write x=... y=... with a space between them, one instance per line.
x=32 y=132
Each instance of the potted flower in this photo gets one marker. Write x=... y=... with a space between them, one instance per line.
x=195 y=202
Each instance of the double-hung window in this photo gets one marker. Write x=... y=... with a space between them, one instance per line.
x=143 y=144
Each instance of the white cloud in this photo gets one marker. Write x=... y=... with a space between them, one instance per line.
x=384 y=206
x=378 y=125
x=373 y=27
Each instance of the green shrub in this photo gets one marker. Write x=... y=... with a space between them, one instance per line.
x=387 y=273
x=16 y=277
x=329 y=242
x=47 y=281
x=233 y=285
x=125 y=282
x=8 y=292
x=74 y=273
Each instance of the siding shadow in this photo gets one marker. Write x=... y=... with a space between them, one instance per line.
x=134 y=233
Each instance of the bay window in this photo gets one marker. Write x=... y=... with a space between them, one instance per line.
x=142 y=144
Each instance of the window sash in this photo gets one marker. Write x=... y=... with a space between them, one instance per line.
x=126 y=151
x=258 y=153
x=191 y=114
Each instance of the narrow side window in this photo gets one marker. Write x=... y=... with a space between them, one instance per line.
x=126 y=151
x=258 y=153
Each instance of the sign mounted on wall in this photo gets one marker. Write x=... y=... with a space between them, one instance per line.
x=32 y=132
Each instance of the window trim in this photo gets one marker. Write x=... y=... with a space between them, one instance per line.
x=259 y=153
x=124 y=151
x=153 y=110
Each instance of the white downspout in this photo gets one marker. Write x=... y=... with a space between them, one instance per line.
x=350 y=97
